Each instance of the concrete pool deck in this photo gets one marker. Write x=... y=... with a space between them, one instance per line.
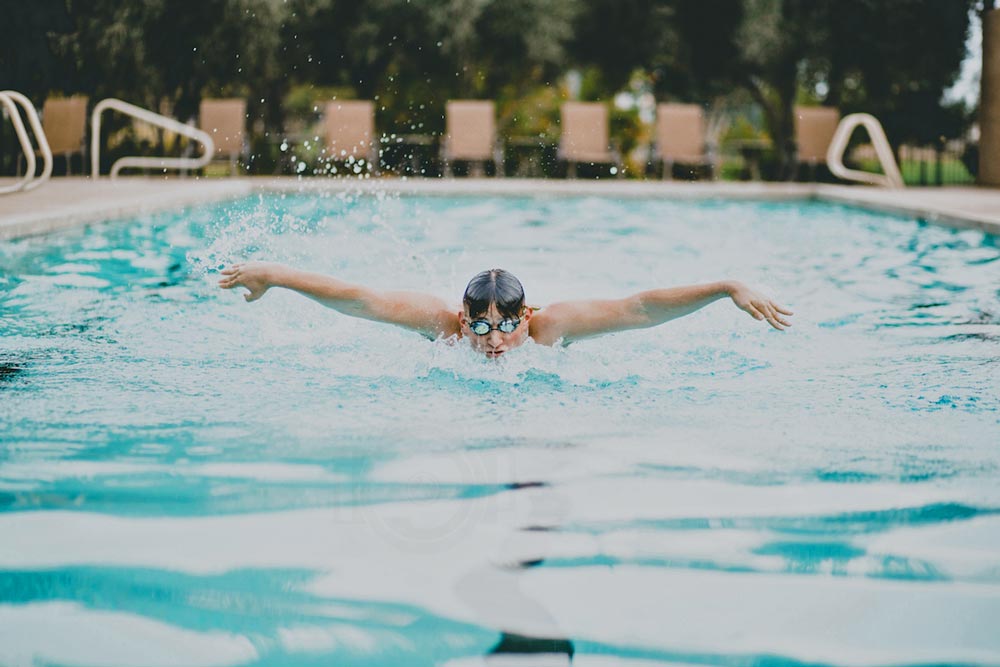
x=70 y=202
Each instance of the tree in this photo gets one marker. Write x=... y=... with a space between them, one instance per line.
x=614 y=37
x=28 y=62
x=889 y=57
x=892 y=58
x=688 y=48
x=413 y=56
x=149 y=52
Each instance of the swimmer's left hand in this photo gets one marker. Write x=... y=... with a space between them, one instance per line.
x=257 y=277
x=759 y=306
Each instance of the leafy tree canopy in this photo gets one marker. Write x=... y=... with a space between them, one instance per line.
x=892 y=58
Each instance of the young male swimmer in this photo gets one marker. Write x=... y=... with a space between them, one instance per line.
x=494 y=317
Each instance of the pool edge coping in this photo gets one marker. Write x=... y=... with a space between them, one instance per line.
x=64 y=217
x=883 y=203
x=177 y=194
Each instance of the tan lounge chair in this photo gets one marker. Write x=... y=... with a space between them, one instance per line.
x=814 y=129
x=64 y=121
x=680 y=137
x=349 y=126
x=225 y=120
x=584 y=136
x=471 y=135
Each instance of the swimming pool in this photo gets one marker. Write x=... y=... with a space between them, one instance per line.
x=187 y=479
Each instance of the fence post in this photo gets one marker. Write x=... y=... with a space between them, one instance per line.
x=939 y=162
x=989 y=101
x=3 y=142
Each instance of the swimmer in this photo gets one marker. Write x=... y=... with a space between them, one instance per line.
x=494 y=316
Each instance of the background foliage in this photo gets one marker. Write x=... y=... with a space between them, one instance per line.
x=893 y=58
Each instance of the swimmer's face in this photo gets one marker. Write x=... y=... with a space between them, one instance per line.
x=496 y=342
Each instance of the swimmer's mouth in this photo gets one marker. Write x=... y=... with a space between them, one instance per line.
x=493 y=354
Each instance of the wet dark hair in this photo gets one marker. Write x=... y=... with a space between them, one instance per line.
x=495 y=286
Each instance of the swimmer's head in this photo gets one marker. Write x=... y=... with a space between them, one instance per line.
x=494 y=317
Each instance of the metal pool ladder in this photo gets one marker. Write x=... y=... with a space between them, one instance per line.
x=145 y=162
x=10 y=99
x=890 y=176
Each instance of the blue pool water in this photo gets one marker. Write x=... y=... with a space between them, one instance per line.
x=187 y=479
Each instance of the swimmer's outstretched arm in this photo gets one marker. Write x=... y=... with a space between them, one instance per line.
x=573 y=320
x=413 y=310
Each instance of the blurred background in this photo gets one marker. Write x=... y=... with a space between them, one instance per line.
x=912 y=63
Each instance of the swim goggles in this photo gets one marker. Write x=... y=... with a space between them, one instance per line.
x=482 y=327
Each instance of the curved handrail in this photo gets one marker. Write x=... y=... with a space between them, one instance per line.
x=43 y=142
x=10 y=99
x=145 y=162
x=22 y=137
x=890 y=178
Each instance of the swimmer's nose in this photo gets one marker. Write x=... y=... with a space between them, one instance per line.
x=494 y=338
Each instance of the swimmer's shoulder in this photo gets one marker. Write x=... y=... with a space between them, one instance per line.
x=541 y=327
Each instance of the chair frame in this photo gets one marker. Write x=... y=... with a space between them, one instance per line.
x=815 y=116
x=47 y=111
x=566 y=153
x=372 y=154
x=453 y=110
x=666 y=159
x=233 y=156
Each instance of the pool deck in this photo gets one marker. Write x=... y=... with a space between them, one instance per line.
x=69 y=202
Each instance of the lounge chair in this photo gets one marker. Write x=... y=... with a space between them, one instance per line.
x=471 y=135
x=584 y=136
x=225 y=121
x=680 y=137
x=814 y=129
x=64 y=121
x=350 y=131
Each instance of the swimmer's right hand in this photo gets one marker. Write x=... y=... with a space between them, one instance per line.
x=257 y=277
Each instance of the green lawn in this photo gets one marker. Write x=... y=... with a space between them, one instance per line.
x=953 y=172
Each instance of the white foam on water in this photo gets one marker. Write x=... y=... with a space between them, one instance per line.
x=67 y=633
